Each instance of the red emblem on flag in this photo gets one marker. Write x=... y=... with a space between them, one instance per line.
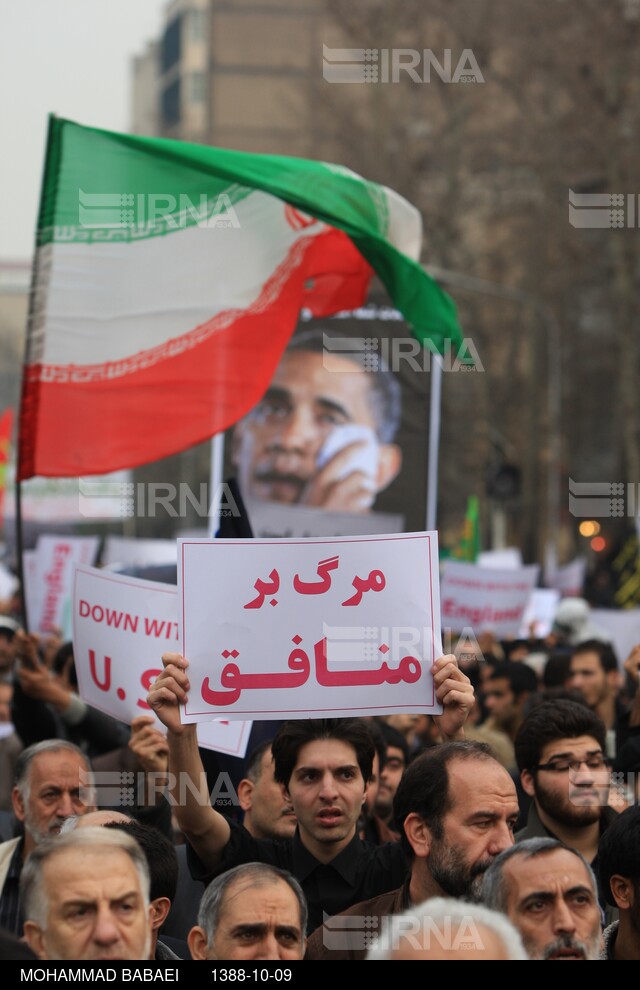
x=296 y=219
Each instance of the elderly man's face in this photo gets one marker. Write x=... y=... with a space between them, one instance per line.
x=56 y=791
x=276 y=447
x=257 y=921
x=552 y=903
x=95 y=907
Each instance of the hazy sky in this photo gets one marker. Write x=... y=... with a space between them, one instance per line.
x=70 y=57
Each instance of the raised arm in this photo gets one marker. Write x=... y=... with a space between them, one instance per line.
x=455 y=693
x=207 y=830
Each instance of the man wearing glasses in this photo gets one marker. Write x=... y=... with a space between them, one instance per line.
x=560 y=752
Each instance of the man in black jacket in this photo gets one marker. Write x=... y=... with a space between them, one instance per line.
x=324 y=766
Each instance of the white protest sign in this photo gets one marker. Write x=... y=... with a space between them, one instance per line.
x=274 y=519
x=310 y=628
x=53 y=578
x=569 y=579
x=540 y=612
x=486 y=598
x=122 y=626
x=505 y=559
x=127 y=550
x=622 y=625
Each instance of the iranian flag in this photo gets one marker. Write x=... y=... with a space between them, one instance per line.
x=169 y=278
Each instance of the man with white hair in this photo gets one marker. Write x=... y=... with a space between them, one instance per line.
x=549 y=892
x=252 y=912
x=53 y=782
x=86 y=897
x=162 y=861
x=444 y=928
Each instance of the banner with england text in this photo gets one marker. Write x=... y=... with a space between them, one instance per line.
x=486 y=598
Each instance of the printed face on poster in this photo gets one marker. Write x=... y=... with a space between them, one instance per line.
x=121 y=628
x=338 y=443
x=309 y=628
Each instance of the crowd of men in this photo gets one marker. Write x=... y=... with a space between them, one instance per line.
x=506 y=828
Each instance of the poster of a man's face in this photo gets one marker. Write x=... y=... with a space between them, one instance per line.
x=321 y=436
x=326 y=436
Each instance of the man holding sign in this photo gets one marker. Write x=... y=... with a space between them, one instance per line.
x=323 y=766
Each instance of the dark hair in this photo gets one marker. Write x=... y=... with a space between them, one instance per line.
x=565 y=694
x=424 y=787
x=492 y=659
x=10 y=945
x=253 y=766
x=511 y=645
x=628 y=756
x=556 y=670
x=606 y=654
x=522 y=678
x=378 y=741
x=160 y=854
x=292 y=736
x=619 y=851
x=557 y=719
x=393 y=737
x=384 y=389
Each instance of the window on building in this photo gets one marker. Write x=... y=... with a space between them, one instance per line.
x=171 y=44
x=197 y=87
x=171 y=103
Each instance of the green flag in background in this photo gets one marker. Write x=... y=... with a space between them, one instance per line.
x=469 y=546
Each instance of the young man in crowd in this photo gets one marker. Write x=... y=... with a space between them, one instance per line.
x=323 y=766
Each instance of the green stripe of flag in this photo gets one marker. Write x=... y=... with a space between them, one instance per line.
x=96 y=162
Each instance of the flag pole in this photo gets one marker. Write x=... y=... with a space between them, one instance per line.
x=48 y=156
x=435 y=405
x=19 y=555
x=215 y=482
